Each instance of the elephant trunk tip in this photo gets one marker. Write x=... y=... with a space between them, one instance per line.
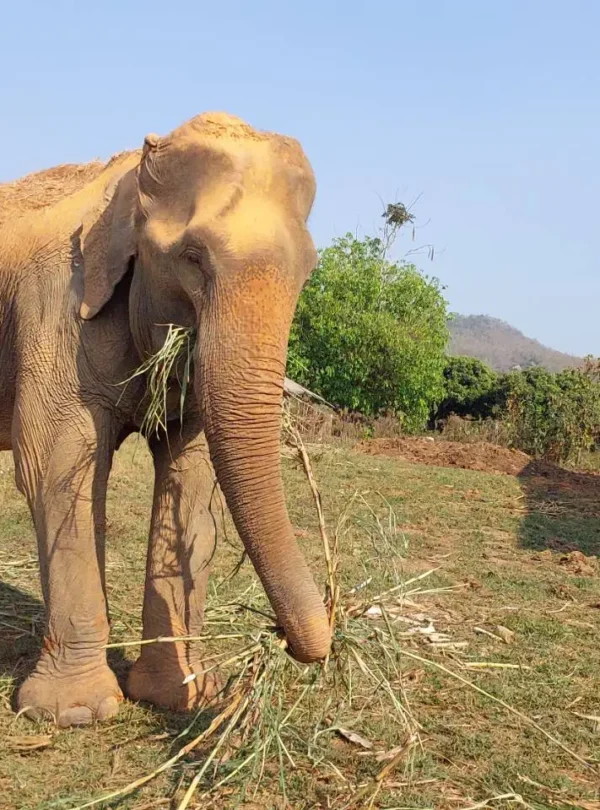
x=311 y=642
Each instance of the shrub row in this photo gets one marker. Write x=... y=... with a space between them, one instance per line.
x=551 y=416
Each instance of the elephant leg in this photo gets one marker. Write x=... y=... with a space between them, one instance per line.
x=63 y=459
x=182 y=543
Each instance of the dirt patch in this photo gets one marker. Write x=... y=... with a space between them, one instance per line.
x=486 y=457
x=580 y=565
x=479 y=456
x=575 y=562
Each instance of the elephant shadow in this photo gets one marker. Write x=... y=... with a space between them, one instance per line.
x=22 y=619
x=562 y=510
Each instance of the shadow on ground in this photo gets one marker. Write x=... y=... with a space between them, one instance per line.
x=21 y=627
x=562 y=510
x=22 y=618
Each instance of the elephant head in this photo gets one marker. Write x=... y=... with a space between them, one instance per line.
x=212 y=221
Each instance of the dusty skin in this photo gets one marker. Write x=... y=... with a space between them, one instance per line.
x=205 y=227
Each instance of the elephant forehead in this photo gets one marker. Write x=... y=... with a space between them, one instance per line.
x=245 y=195
x=176 y=178
x=231 y=132
x=220 y=144
x=254 y=225
x=239 y=224
x=202 y=165
x=218 y=125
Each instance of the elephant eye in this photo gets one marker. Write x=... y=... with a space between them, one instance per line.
x=194 y=256
x=200 y=256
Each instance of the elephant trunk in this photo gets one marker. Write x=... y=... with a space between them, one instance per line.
x=239 y=382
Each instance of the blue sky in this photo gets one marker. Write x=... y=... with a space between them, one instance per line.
x=487 y=111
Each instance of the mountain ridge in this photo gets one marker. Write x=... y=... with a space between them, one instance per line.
x=502 y=346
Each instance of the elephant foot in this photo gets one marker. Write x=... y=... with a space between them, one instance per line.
x=70 y=695
x=162 y=679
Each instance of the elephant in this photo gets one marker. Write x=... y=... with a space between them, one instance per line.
x=206 y=228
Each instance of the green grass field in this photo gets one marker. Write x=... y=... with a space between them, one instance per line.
x=507 y=605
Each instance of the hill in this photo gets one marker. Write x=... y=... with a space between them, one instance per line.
x=501 y=345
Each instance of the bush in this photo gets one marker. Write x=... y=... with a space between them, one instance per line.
x=552 y=416
x=370 y=335
x=470 y=389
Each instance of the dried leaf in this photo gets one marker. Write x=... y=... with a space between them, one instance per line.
x=31 y=742
x=354 y=737
x=399 y=754
x=510 y=797
x=494 y=665
x=594 y=718
x=385 y=756
x=438 y=638
x=450 y=645
x=360 y=586
x=116 y=761
x=483 y=632
x=505 y=634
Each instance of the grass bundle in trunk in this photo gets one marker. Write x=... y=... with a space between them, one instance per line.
x=170 y=367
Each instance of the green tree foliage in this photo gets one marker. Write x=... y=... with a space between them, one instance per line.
x=470 y=389
x=369 y=334
x=552 y=416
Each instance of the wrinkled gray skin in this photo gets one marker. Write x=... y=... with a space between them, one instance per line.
x=206 y=228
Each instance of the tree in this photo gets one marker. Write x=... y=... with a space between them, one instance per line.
x=370 y=334
x=470 y=389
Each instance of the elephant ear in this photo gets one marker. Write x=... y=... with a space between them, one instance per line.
x=109 y=243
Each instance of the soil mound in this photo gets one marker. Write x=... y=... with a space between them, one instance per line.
x=479 y=456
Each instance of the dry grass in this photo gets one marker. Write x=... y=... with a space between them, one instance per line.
x=414 y=708
x=494 y=431
x=167 y=372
